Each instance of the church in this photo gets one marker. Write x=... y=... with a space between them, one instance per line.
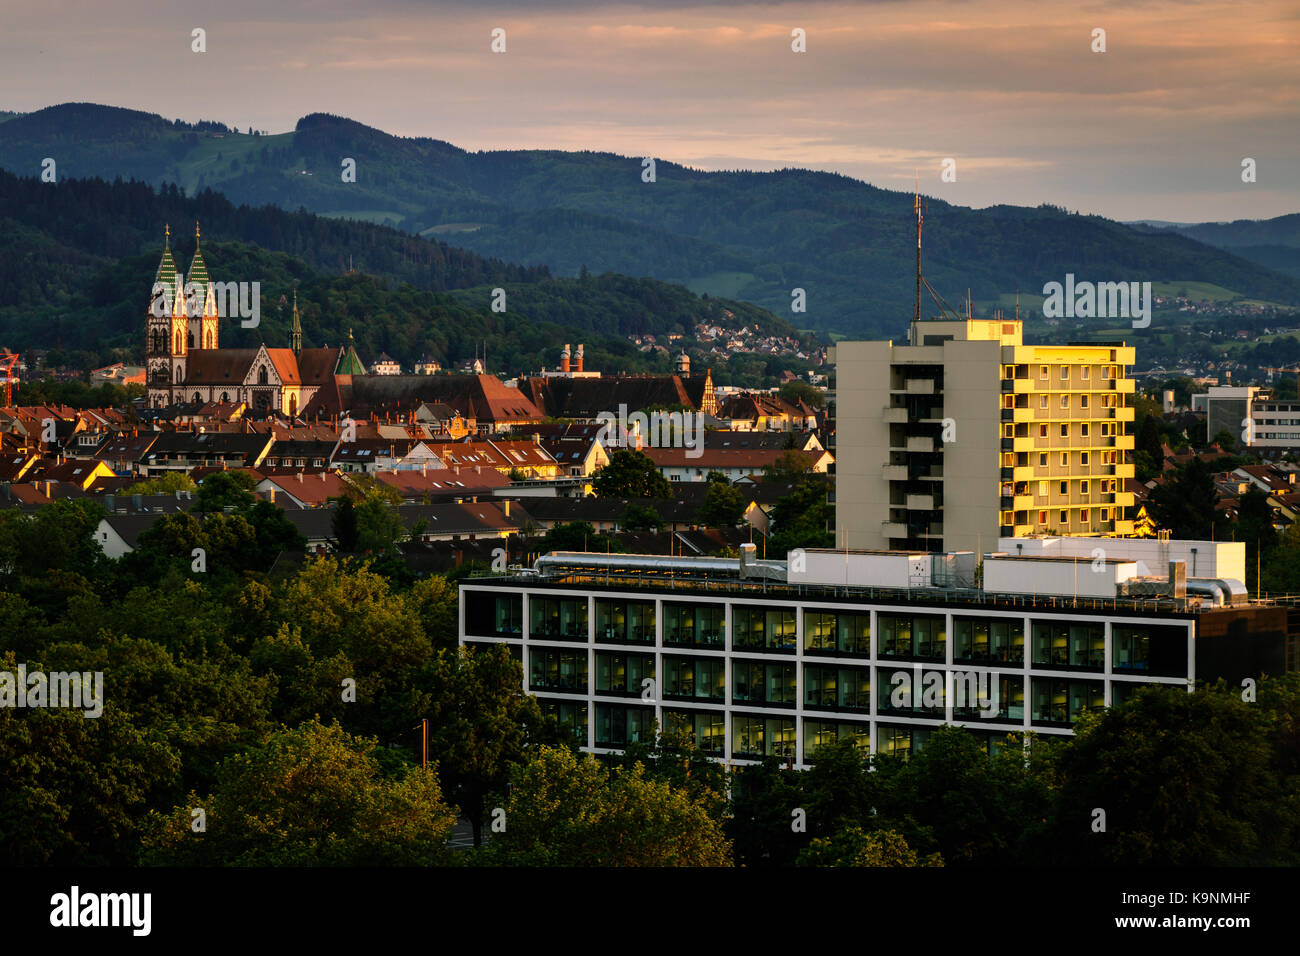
x=184 y=360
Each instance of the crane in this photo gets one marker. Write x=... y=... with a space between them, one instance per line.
x=9 y=370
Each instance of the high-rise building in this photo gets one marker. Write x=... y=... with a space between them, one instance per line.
x=966 y=434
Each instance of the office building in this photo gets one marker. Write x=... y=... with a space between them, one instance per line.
x=774 y=658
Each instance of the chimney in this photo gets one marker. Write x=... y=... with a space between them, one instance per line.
x=578 y=358
x=564 y=358
x=300 y=477
x=507 y=507
x=424 y=469
x=271 y=494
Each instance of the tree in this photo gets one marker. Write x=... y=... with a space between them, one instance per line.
x=801 y=518
x=793 y=465
x=167 y=483
x=568 y=809
x=480 y=722
x=1255 y=528
x=225 y=489
x=854 y=846
x=1185 y=503
x=344 y=526
x=1184 y=780
x=796 y=391
x=312 y=796
x=640 y=518
x=723 y=506
x=577 y=536
x=630 y=474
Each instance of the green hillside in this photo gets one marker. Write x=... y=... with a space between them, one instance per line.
x=77 y=263
x=753 y=235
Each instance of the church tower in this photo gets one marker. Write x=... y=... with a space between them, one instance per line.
x=201 y=303
x=295 y=335
x=166 y=330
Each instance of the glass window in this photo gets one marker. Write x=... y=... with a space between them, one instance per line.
x=709 y=728
x=991 y=640
x=494 y=615
x=987 y=695
x=1062 y=701
x=701 y=678
x=1149 y=648
x=625 y=622
x=557 y=669
x=837 y=688
x=1069 y=644
x=571 y=716
x=756 y=628
x=624 y=674
x=554 y=619
x=837 y=632
x=900 y=691
x=694 y=625
x=618 y=726
x=757 y=682
x=905 y=635
x=817 y=733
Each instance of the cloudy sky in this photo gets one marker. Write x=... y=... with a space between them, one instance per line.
x=1156 y=127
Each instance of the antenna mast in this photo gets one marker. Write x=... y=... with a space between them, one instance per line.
x=916 y=205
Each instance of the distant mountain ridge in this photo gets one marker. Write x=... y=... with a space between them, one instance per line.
x=747 y=235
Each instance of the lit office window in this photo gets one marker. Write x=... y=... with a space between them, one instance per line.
x=1061 y=702
x=1073 y=645
x=625 y=622
x=701 y=678
x=756 y=628
x=837 y=688
x=697 y=625
x=557 y=618
x=911 y=635
x=989 y=640
x=555 y=669
x=618 y=726
x=623 y=674
x=837 y=632
x=818 y=733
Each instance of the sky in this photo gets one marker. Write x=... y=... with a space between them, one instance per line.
x=1155 y=127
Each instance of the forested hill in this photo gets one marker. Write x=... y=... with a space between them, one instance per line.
x=77 y=260
x=745 y=235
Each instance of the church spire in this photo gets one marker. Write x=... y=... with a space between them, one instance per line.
x=167 y=265
x=199 y=272
x=296 y=332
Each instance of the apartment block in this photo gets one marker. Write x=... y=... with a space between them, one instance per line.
x=966 y=434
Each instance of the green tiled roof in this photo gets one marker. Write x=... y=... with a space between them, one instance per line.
x=350 y=364
x=199 y=268
x=167 y=267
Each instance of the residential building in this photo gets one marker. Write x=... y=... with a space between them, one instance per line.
x=966 y=434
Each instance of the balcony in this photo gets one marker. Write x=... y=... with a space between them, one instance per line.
x=1122 y=385
x=895 y=415
x=893 y=529
x=919 y=502
x=894 y=472
x=1017 y=502
x=922 y=443
x=919 y=386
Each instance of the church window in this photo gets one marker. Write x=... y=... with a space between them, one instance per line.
x=261 y=375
